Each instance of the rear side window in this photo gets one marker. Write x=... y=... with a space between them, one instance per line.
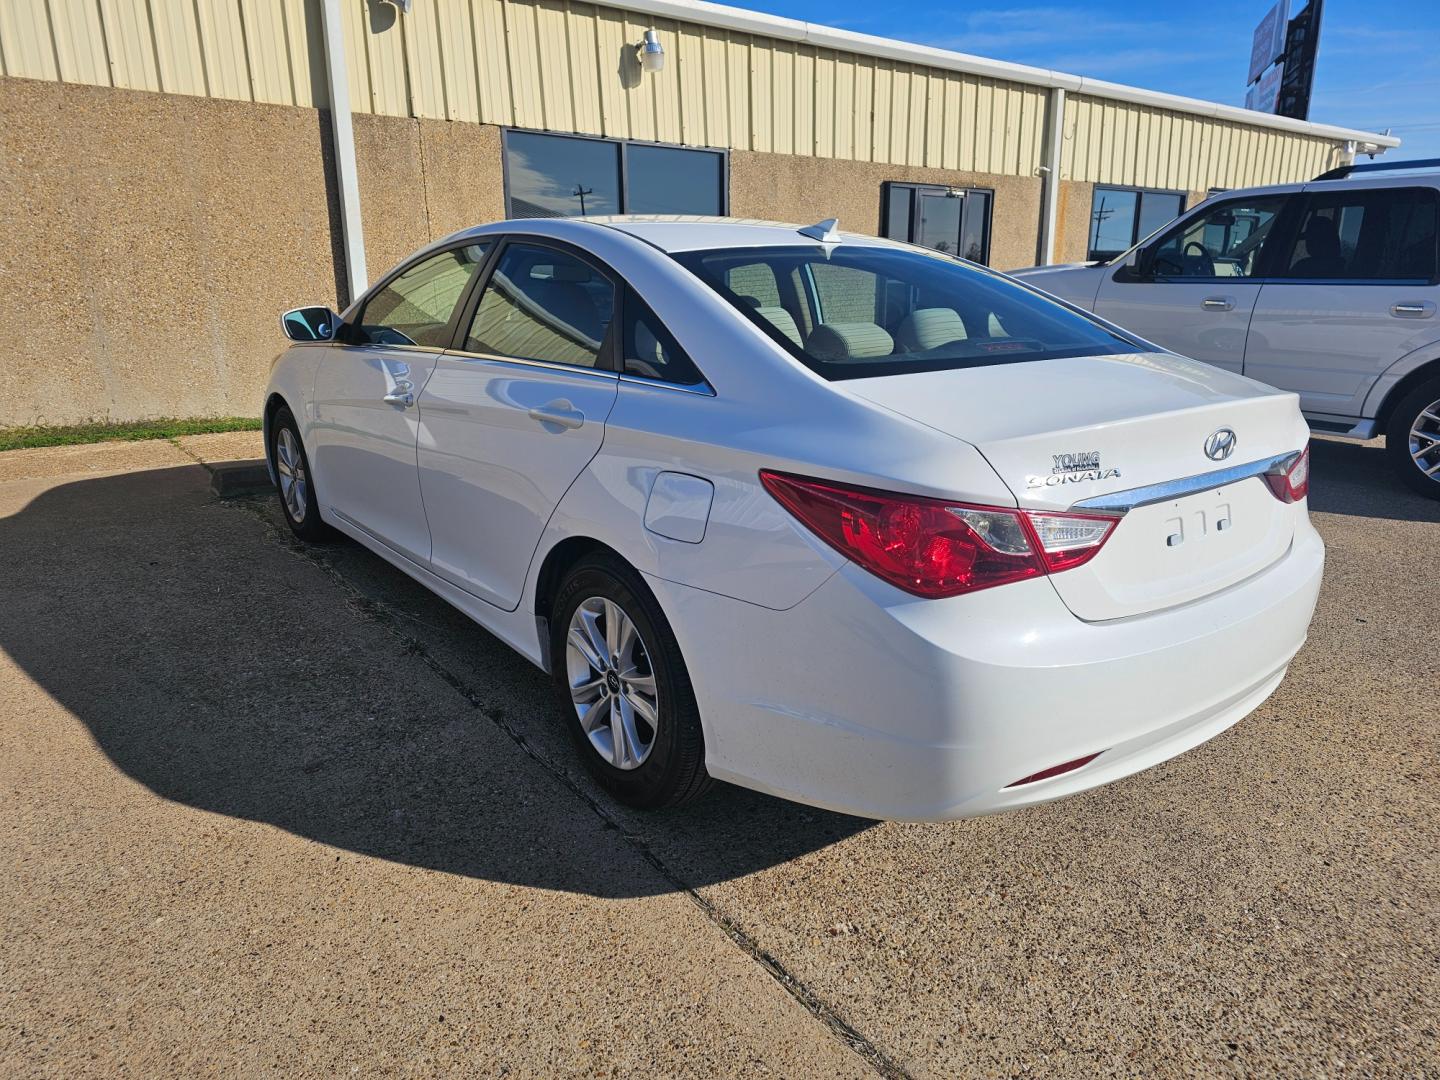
x=543 y=304
x=651 y=351
x=1380 y=234
x=415 y=308
x=863 y=311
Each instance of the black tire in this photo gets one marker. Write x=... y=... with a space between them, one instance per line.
x=1409 y=415
x=307 y=524
x=673 y=773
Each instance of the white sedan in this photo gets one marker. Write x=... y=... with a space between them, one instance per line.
x=827 y=516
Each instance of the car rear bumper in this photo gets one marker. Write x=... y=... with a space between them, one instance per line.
x=864 y=700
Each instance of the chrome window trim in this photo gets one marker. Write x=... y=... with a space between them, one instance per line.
x=1121 y=502
x=699 y=389
x=548 y=365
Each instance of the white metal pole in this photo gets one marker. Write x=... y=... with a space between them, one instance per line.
x=343 y=142
x=1050 y=193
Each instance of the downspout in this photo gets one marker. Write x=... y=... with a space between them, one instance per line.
x=342 y=139
x=1050 y=194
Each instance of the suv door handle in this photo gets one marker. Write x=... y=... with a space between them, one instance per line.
x=1413 y=309
x=399 y=396
x=558 y=412
x=1217 y=303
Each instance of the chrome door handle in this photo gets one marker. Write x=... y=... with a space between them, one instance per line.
x=558 y=412
x=399 y=397
x=1418 y=309
x=1217 y=303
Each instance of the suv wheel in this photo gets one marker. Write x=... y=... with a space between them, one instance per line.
x=1413 y=438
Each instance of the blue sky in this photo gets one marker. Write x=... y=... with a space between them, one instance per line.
x=1379 y=62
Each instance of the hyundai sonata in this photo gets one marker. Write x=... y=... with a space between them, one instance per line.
x=836 y=518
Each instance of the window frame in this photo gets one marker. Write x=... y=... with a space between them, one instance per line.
x=354 y=315
x=1293 y=214
x=606 y=361
x=626 y=292
x=1135 y=238
x=722 y=152
x=888 y=189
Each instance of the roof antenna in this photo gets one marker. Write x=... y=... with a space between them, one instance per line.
x=827 y=231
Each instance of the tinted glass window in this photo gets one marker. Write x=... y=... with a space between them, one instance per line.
x=1112 y=222
x=1224 y=242
x=650 y=350
x=953 y=220
x=667 y=180
x=1386 y=234
x=554 y=176
x=885 y=311
x=543 y=304
x=415 y=308
x=1122 y=217
x=1157 y=208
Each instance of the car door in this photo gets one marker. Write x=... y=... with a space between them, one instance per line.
x=365 y=423
x=511 y=416
x=1192 y=290
x=1354 y=291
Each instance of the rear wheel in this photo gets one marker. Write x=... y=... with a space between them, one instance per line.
x=627 y=694
x=1413 y=438
x=297 y=486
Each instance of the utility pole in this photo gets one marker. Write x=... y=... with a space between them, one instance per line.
x=581 y=190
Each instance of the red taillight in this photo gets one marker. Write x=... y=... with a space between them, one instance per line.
x=933 y=548
x=1056 y=770
x=1291 y=483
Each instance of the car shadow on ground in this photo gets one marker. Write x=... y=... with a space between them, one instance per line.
x=226 y=669
x=1358 y=480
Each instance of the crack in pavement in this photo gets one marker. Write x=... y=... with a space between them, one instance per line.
x=385 y=616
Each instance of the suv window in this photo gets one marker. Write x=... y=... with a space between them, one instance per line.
x=415 y=308
x=543 y=304
x=1379 y=234
x=651 y=351
x=1227 y=241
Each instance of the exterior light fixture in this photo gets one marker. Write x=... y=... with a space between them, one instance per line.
x=652 y=53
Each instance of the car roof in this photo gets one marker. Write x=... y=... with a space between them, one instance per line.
x=681 y=232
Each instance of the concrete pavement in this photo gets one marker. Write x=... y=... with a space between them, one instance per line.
x=277 y=808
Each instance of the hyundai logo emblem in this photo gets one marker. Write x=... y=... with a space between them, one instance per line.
x=1220 y=445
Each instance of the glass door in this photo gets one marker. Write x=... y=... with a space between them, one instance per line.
x=953 y=220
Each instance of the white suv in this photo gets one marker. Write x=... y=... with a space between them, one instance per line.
x=1328 y=289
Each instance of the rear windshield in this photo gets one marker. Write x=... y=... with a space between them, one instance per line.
x=852 y=311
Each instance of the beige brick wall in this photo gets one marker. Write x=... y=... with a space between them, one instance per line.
x=152 y=240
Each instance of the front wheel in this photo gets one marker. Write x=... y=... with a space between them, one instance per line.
x=1413 y=438
x=627 y=695
x=297 y=485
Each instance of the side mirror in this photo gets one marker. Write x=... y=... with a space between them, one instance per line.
x=310 y=324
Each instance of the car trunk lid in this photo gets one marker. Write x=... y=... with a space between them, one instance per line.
x=1063 y=433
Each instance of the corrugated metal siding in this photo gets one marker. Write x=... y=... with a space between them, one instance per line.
x=1115 y=142
x=569 y=66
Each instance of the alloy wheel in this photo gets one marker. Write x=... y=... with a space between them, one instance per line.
x=612 y=683
x=1424 y=444
x=294 y=484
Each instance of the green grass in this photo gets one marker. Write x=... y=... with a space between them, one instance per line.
x=21 y=438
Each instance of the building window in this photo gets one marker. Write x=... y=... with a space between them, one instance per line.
x=1121 y=217
x=954 y=220
x=575 y=176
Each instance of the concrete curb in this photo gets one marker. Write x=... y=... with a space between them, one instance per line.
x=245 y=478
